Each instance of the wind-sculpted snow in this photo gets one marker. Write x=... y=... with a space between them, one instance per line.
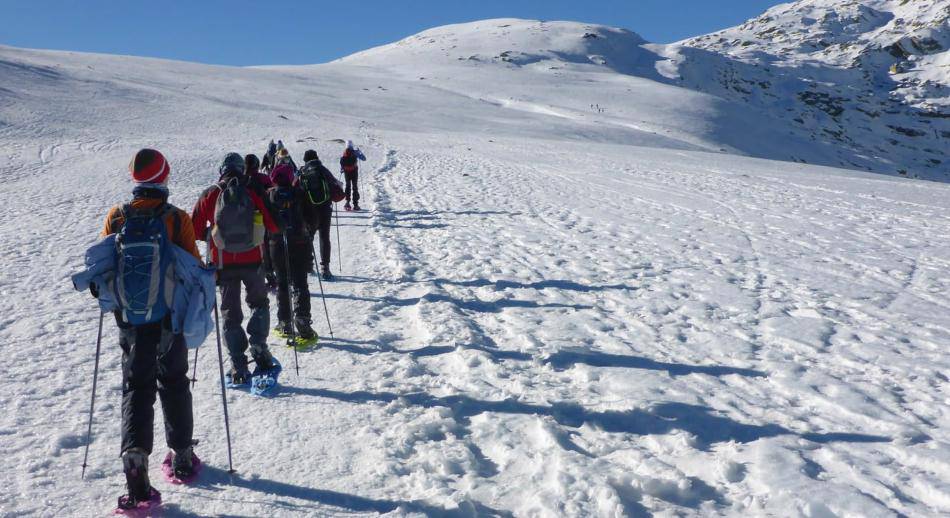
x=548 y=309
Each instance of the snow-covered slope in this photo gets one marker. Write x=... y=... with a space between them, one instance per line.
x=601 y=78
x=549 y=309
x=871 y=77
x=861 y=85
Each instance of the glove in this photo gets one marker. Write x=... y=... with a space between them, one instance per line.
x=94 y=289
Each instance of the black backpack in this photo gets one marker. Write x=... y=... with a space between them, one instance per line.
x=288 y=210
x=314 y=184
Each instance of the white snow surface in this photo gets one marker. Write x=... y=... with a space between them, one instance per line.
x=547 y=310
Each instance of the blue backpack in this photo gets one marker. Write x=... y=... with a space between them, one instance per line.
x=145 y=280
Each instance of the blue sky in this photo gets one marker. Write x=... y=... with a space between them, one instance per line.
x=245 y=32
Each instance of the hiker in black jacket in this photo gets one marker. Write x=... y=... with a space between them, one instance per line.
x=292 y=247
x=322 y=189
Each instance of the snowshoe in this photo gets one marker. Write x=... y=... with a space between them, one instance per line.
x=129 y=506
x=237 y=378
x=283 y=331
x=141 y=496
x=306 y=336
x=264 y=381
x=303 y=344
x=181 y=468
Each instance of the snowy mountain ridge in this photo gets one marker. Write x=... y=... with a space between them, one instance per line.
x=865 y=84
x=871 y=76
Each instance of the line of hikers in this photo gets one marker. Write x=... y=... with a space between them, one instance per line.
x=259 y=220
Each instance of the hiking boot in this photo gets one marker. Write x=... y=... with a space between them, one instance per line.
x=304 y=330
x=325 y=273
x=356 y=206
x=284 y=329
x=239 y=376
x=347 y=207
x=263 y=358
x=183 y=463
x=135 y=466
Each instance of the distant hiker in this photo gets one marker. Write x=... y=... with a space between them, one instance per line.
x=349 y=164
x=259 y=182
x=292 y=248
x=322 y=189
x=149 y=251
x=267 y=164
x=234 y=218
x=283 y=157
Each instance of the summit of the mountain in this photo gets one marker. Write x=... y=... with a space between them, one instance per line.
x=514 y=42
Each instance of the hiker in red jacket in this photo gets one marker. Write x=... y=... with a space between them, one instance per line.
x=349 y=164
x=234 y=218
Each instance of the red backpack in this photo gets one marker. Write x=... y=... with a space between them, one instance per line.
x=348 y=162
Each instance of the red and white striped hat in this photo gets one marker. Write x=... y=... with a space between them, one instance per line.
x=149 y=166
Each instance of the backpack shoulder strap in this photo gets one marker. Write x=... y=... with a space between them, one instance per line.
x=176 y=220
x=119 y=217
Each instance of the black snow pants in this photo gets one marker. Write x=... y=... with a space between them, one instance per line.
x=301 y=263
x=154 y=360
x=352 y=179
x=324 y=220
x=267 y=266
x=230 y=280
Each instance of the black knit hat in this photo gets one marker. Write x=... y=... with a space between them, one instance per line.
x=251 y=163
x=233 y=164
x=309 y=155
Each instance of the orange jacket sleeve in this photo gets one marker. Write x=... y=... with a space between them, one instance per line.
x=107 y=228
x=186 y=235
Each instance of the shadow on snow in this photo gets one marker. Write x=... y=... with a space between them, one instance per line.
x=663 y=418
x=559 y=284
x=217 y=479
x=470 y=305
x=560 y=360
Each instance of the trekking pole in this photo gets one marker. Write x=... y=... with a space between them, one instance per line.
x=194 y=370
x=339 y=249
x=322 y=295
x=224 y=397
x=92 y=403
x=290 y=298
